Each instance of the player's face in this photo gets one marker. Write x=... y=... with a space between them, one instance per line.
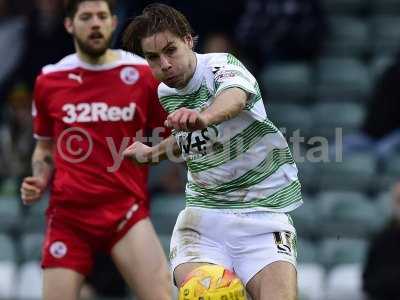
x=92 y=27
x=170 y=58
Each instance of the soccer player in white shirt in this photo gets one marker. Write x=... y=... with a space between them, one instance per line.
x=242 y=179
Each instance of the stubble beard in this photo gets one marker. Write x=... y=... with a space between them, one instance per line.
x=92 y=51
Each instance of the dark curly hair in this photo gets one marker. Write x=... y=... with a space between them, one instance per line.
x=155 y=18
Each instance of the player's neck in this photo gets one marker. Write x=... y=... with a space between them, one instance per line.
x=108 y=57
x=192 y=65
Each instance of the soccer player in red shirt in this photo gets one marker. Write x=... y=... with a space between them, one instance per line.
x=87 y=109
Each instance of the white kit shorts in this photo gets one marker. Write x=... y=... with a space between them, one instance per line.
x=244 y=242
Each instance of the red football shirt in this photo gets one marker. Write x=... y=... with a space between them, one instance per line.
x=92 y=113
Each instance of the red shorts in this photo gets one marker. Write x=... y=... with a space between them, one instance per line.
x=73 y=246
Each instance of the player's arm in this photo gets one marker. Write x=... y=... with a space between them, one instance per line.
x=227 y=105
x=140 y=153
x=32 y=187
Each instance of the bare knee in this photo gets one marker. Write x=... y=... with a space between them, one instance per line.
x=277 y=281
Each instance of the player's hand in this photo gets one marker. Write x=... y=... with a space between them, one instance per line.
x=185 y=119
x=139 y=153
x=32 y=189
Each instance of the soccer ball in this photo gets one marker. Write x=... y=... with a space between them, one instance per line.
x=212 y=282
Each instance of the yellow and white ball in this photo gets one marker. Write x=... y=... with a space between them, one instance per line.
x=212 y=282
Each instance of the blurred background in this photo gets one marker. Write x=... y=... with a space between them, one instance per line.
x=329 y=72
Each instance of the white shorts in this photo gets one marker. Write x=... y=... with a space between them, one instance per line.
x=242 y=242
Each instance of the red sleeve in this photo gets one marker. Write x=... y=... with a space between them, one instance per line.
x=156 y=113
x=42 y=122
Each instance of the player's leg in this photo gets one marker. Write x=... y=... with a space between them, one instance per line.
x=264 y=252
x=181 y=272
x=61 y=284
x=196 y=242
x=66 y=260
x=277 y=281
x=141 y=260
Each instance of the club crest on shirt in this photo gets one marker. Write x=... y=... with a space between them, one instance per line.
x=58 y=249
x=129 y=75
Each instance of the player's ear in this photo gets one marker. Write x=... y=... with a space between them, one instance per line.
x=114 y=22
x=188 y=39
x=68 y=25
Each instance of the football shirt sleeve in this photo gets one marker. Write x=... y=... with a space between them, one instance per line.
x=42 y=122
x=231 y=74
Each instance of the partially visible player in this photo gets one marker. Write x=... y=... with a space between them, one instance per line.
x=87 y=108
x=242 y=179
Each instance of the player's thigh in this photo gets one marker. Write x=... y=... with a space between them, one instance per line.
x=196 y=241
x=142 y=262
x=61 y=284
x=182 y=271
x=277 y=281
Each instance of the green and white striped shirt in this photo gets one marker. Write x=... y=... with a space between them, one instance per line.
x=243 y=163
